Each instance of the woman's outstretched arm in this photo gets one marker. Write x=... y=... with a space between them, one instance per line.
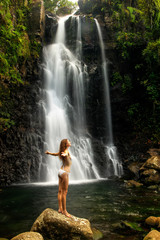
x=53 y=154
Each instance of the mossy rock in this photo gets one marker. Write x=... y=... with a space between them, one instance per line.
x=133 y=226
x=97 y=234
x=126 y=228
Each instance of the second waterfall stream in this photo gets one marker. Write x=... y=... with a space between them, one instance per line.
x=65 y=78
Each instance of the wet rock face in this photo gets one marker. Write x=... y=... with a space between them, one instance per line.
x=21 y=145
x=54 y=225
x=150 y=171
x=51 y=23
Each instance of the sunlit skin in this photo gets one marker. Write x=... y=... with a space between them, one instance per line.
x=64 y=178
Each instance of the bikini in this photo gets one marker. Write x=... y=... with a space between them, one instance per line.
x=61 y=171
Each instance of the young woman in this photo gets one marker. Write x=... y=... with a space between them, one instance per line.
x=63 y=174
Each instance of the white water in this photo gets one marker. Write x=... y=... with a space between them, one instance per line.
x=114 y=166
x=61 y=69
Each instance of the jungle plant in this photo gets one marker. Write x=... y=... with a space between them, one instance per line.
x=15 y=49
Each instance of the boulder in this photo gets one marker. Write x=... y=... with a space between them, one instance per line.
x=54 y=225
x=150 y=171
x=152 y=163
x=51 y=23
x=153 y=221
x=150 y=176
x=153 y=235
x=132 y=183
x=28 y=236
x=154 y=151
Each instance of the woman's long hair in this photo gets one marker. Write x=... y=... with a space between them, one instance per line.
x=62 y=147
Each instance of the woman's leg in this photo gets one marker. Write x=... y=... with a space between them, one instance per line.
x=64 y=193
x=60 y=210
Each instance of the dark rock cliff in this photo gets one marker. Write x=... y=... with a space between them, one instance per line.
x=21 y=145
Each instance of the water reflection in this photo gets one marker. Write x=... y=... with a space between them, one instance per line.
x=104 y=203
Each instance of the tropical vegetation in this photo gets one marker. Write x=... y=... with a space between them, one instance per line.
x=136 y=25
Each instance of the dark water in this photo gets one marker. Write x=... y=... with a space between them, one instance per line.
x=104 y=203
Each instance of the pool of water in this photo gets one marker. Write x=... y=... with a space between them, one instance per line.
x=105 y=203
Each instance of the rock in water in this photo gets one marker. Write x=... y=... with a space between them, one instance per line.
x=132 y=183
x=153 y=235
x=153 y=221
x=28 y=236
x=54 y=225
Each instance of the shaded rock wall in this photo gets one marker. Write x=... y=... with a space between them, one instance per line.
x=21 y=145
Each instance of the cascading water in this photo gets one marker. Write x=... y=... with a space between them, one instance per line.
x=114 y=166
x=65 y=118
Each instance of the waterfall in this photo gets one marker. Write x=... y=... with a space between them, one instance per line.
x=114 y=166
x=64 y=108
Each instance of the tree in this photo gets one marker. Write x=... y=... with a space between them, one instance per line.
x=151 y=11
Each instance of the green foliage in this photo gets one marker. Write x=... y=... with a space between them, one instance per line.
x=127 y=41
x=127 y=83
x=138 y=43
x=151 y=12
x=133 y=109
x=15 y=49
x=116 y=77
x=131 y=13
x=152 y=52
x=14 y=45
x=54 y=5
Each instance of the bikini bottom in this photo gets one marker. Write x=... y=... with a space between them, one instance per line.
x=61 y=171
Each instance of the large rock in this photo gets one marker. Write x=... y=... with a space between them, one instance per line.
x=154 y=152
x=150 y=171
x=153 y=235
x=51 y=23
x=54 y=225
x=133 y=183
x=150 y=177
x=152 y=163
x=153 y=221
x=28 y=236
